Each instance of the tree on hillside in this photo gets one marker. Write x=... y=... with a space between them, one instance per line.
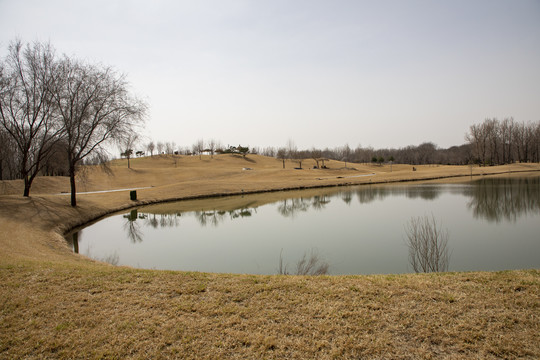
x=212 y=146
x=198 y=148
x=94 y=107
x=282 y=154
x=316 y=155
x=345 y=154
x=243 y=150
x=291 y=149
x=26 y=109
x=127 y=143
x=151 y=147
x=159 y=147
x=169 y=147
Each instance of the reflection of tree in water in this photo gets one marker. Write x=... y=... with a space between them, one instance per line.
x=498 y=198
x=73 y=241
x=319 y=202
x=241 y=213
x=347 y=196
x=169 y=220
x=159 y=220
x=206 y=217
x=367 y=194
x=291 y=207
x=132 y=227
x=424 y=192
x=215 y=217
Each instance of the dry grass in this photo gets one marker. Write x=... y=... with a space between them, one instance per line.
x=56 y=304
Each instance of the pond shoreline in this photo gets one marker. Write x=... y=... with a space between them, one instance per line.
x=138 y=203
x=147 y=236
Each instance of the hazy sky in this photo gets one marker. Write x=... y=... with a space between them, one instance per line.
x=323 y=73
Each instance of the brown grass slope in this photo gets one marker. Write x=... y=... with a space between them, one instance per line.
x=56 y=304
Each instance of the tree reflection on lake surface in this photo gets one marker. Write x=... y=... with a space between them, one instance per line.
x=493 y=224
x=495 y=199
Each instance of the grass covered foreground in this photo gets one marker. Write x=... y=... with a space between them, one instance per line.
x=56 y=304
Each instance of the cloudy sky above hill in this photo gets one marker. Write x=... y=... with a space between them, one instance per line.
x=322 y=73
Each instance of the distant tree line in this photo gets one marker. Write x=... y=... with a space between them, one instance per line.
x=199 y=148
x=492 y=142
x=425 y=153
x=55 y=112
x=496 y=142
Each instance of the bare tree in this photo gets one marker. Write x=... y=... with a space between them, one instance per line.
x=198 y=147
x=151 y=146
x=291 y=149
x=312 y=265
x=308 y=265
x=476 y=137
x=26 y=107
x=159 y=147
x=428 y=244
x=212 y=144
x=506 y=132
x=94 y=107
x=316 y=155
x=345 y=154
x=169 y=147
x=499 y=142
x=127 y=142
x=282 y=154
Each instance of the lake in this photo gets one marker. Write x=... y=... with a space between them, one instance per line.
x=492 y=224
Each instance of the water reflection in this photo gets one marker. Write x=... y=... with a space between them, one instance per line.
x=347 y=197
x=359 y=229
x=292 y=207
x=319 y=202
x=133 y=228
x=493 y=199
x=73 y=241
x=504 y=199
x=369 y=194
x=215 y=217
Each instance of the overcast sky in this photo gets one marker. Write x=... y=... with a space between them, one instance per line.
x=322 y=73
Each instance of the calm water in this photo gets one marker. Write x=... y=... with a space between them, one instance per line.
x=493 y=224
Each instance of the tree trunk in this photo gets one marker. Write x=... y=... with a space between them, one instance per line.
x=27 y=184
x=73 y=187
